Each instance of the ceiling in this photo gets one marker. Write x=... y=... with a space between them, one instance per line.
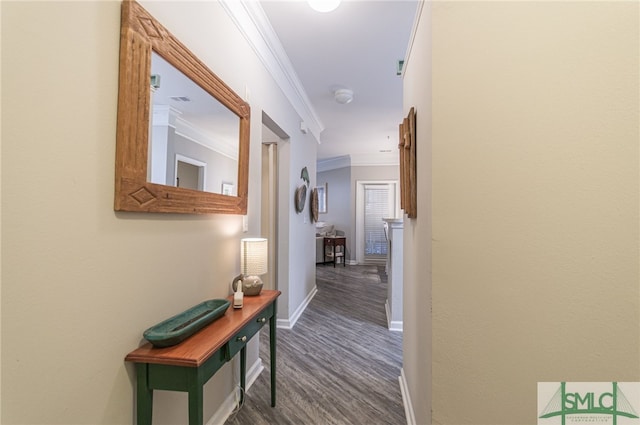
x=357 y=47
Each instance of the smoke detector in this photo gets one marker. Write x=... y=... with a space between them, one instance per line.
x=343 y=96
x=324 y=5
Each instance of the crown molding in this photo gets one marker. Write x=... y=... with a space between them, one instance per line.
x=187 y=130
x=412 y=37
x=168 y=116
x=357 y=160
x=254 y=25
x=333 y=163
x=374 y=159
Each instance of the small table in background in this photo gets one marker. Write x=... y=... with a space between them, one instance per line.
x=337 y=247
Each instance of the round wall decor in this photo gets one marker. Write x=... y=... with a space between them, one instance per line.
x=300 y=198
x=313 y=202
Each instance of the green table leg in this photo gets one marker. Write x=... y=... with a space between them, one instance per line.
x=144 y=404
x=196 y=402
x=243 y=372
x=272 y=352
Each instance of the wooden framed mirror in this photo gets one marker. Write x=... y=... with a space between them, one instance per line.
x=143 y=186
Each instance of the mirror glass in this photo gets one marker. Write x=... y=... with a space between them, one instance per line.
x=193 y=141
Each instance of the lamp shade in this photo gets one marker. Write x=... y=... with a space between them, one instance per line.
x=253 y=256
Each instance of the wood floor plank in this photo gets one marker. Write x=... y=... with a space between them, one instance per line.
x=339 y=365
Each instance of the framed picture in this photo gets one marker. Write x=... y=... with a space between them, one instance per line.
x=322 y=198
x=227 y=189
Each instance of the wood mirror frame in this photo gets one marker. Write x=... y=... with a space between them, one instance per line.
x=140 y=34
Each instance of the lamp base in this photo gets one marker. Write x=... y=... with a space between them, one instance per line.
x=251 y=285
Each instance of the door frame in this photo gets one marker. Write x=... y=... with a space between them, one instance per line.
x=360 y=184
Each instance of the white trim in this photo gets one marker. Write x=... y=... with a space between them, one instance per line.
x=168 y=116
x=393 y=325
x=333 y=163
x=190 y=132
x=412 y=37
x=375 y=159
x=224 y=411
x=406 y=399
x=229 y=404
x=164 y=115
x=290 y=322
x=253 y=23
x=357 y=160
x=360 y=184
x=254 y=371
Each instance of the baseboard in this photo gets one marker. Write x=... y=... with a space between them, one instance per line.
x=291 y=321
x=254 y=371
x=406 y=399
x=229 y=403
x=393 y=325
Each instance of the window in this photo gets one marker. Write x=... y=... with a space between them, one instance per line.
x=377 y=205
x=375 y=200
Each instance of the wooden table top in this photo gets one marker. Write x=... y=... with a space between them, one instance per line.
x=196 y=349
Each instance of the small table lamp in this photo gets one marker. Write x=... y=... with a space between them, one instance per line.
x=253 y=262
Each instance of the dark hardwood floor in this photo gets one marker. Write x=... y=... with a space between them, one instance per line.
x=339 y=364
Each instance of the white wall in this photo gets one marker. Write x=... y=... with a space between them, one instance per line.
x=339 y=194
x=80 y=282
x=301 y=237
x=416 y=301
x=534 y=239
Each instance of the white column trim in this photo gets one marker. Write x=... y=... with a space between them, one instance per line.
x=393 y=325
x=406 y=399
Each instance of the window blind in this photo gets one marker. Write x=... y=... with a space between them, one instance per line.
x=376 y=207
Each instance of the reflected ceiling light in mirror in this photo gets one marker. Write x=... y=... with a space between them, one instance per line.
x=343 y=96
x=324 y=5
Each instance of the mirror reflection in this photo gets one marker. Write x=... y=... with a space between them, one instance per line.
x=193 y=138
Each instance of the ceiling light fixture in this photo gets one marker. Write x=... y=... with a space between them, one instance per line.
x=324 y=5
x=343 y=96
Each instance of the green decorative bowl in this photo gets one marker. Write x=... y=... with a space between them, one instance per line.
x=180 y=327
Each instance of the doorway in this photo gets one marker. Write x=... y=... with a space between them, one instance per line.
x=375 y=200
x=269 y=207
x=269 y=200
x=190 y=173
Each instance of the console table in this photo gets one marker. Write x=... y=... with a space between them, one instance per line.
x=337 y=246
x=190 y=364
